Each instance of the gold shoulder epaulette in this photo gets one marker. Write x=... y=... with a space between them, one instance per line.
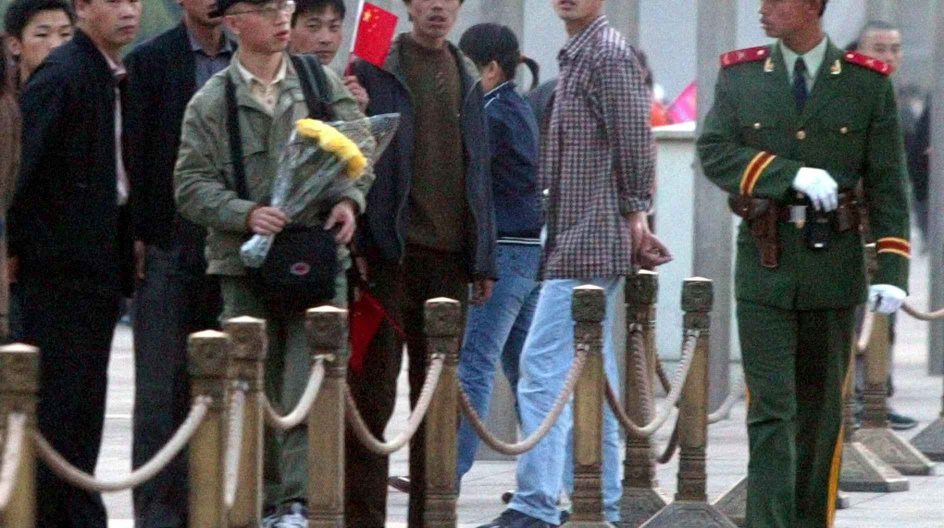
x=732 y=58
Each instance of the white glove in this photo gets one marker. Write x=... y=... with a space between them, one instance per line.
x=819 y=186
x=885 y=298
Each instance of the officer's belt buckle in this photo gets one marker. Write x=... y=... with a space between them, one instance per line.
x=798 y=215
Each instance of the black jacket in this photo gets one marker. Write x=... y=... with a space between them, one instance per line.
x=384 y=227
x=64 y=220
x=162 y=82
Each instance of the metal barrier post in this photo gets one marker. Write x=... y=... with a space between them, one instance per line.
x=589 y=310
x=327 y=334
x=691 y=504
x=442 y=324
x=642 y=497
x=19 y=385
x=875 y=434
x=208 y=358
x=248 y=365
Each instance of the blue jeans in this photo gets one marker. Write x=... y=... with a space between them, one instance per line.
x=545 y=361
x=497 y=328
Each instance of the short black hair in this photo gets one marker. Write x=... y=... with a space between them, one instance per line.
x=313 y=6
x=21 y=12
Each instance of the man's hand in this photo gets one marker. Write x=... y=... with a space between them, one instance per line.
x=481 y=290
x=885 y=298
x=648 y=250
x=267 y=221
x=342 y=215
x=358 y=91
x=140 y=255
x=819 y=187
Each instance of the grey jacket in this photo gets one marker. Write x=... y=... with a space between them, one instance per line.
x=204 y=182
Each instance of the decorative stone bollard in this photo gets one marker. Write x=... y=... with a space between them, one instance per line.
x=442 y=327
x=208 y=361
x=327 y=335
x=691 y=504
x=589 y=310
x=249 y=339
x=642 y=497
x=19 y=386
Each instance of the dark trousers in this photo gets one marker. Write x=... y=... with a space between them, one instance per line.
x=175 y=299
x=402 y=289
x=73 y=329
x=795 y=364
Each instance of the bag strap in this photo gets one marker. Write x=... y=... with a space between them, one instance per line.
x=314 y=85
x=235 y=140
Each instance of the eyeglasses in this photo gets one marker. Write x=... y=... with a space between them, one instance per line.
x=272 y=9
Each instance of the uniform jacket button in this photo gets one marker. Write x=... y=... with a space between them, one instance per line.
x=801 y=135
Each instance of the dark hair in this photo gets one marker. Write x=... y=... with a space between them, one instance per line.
x=21 y=12
x=822 y=8
x=484 y=43
x=313 y=6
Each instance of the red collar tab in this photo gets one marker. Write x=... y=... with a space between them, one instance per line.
x=867 y=62
x=732 y=58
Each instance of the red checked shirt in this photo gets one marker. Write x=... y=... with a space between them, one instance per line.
x=597 y=156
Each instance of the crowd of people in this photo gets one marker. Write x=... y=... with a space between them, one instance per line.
x=141 y=172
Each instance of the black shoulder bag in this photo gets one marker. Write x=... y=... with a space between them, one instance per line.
x=302 y=265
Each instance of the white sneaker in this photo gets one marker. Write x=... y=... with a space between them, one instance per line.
x=295 y=516
x=269 y=520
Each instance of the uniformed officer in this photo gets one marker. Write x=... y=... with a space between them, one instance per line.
x=795 y=126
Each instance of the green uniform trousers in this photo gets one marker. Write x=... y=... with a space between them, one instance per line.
x=795 y=365
x=287 y=369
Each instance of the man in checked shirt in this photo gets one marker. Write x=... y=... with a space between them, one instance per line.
x=598 y=163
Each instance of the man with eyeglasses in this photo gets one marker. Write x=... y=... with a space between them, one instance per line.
x=267 y=99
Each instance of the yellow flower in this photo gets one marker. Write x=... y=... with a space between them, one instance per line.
x=333 y=141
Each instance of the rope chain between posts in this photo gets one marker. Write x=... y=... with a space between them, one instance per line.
x=724 y=411
x=922 y=315
x=234 y=442
x=688 y=353
x=663 y=377
x=298 y=415
x=12 y=454
x=416 y=417
x=82 y=480
x=514 y=449
x=671 y=447
x=865 y=333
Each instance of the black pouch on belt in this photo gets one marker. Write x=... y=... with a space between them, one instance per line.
x=819 y=230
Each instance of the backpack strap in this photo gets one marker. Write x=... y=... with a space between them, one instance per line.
x=314 y=83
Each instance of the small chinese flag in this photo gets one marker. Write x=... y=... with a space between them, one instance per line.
x=684 y=108
x=374 y=34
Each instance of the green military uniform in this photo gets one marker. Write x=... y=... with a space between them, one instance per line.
x=796 y=320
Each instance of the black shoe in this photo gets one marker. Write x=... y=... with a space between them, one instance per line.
x=900 y=422
x=401 y=484
x=516 y=519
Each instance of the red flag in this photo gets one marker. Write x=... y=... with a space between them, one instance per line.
x=683 y=109
x=374 y=34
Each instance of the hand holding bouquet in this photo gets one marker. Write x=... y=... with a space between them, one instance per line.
x=319 y=163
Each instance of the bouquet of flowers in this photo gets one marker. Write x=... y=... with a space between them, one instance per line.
x=320 y=161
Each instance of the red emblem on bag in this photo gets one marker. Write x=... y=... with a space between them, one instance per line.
x=300 y=269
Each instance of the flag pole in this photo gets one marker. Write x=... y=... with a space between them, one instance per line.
x=349 y=69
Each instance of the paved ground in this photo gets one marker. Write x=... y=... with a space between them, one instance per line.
x=918 y=395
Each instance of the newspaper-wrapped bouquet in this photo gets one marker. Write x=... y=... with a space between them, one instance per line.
x=320 y=161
